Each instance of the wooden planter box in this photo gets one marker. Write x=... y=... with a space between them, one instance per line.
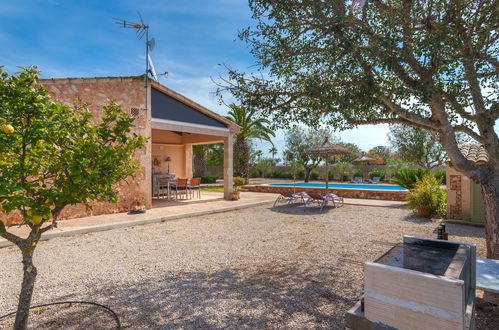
x=419 y=284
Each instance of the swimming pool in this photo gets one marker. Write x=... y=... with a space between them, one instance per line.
x=341 y=185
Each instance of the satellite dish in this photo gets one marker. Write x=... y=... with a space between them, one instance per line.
x=151 y=44
x=151 y=68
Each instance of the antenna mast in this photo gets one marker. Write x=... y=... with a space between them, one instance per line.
x=142 y=29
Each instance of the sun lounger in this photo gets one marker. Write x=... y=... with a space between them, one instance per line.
x=323 y=200
x=289 y=197
x=337 y=200
x=376 y=179
x=357 y=179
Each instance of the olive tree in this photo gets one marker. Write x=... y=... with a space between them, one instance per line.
x=299 y=140
x=432 y=65
x=52 y=156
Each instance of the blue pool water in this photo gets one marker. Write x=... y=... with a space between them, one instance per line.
x=341 y=185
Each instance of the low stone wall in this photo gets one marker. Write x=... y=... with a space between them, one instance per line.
x=391 y=195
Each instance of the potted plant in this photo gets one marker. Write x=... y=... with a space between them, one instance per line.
x=427 y=198
x=238 y=183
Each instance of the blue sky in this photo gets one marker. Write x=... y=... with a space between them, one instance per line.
x=68 y=38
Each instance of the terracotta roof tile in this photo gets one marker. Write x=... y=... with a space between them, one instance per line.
x=474 y=152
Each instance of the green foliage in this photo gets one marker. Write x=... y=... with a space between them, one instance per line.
x=279 y=174
x=264 y=165
x=52 y=156
x=428 y=194
x=331 y=175
x=314 y=174
x=357 y=172
x=253 y=126
x=441 y=176
x=215 y=155
x=407 y=178
x=238 y=181
x=343 y=170
x=299 y=140
x=208 y=179
x=396 y=165
x=354 y=149
x=377 y=173
x=59 y=155
x=255 y=173
x=417 y=146
x=380 y=153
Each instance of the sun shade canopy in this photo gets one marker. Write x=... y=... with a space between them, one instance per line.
x=327 y=148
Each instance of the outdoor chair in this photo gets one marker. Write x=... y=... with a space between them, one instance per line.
x=289 y=197
x=376 y=179
x=180 y=188
x=195 y=185
x=319 y=199
x=162 y=187
x=323 y=200
x=337 y=200
x=357 y=179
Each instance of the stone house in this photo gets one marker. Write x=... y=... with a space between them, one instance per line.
x=464 y=197
x=172 y=122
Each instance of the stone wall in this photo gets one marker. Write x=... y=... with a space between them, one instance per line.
x=129 y=92
x=458 y=195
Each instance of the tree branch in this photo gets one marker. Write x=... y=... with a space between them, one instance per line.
x=20 y=242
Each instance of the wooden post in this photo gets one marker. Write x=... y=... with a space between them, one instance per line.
x=228 y=166
x=188 y=160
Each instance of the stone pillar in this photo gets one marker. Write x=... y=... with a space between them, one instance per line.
x=188 y=160
x=228 y=166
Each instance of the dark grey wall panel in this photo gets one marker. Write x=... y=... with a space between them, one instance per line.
x=166 y=107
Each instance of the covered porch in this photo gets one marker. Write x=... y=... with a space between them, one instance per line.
x=177 y=124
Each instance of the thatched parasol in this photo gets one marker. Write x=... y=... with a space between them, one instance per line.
x=327 y=149
x=364 y=160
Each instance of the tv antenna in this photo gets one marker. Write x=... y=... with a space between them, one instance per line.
x=142 y=30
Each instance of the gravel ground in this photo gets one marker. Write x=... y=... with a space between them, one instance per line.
x=261 y=267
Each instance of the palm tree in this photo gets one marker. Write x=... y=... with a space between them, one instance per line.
x=252 y=127
x=273 y=151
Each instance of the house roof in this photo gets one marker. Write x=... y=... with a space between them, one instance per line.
x=165 y=90
x=474 y=152
x=194 y=105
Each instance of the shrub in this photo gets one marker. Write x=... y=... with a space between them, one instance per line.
x=357 y=172
x=345 y=177
x=331 y=174
x=314 y=175
x=279 y=174
x=377 y=173
x=255 y=173
x=428 y=194
x=208 y=179
x=238 y=181
x=300 y=174
x=407 y=178
x=441 y=176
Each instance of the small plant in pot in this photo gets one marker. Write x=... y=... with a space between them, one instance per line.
x=238 y=183
x=427 y=198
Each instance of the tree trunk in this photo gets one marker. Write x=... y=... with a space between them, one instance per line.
x=241 y=158
x=29 y=276
x=307 y=174
x=199 y=166
x=490 y=197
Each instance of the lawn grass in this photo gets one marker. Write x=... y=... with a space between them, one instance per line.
x=213 y=189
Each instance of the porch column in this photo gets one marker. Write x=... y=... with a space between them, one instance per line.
x=188 y=160
x=228 y=166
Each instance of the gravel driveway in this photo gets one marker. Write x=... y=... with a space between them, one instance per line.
x=259 y=267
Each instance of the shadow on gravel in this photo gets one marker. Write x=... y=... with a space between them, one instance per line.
x=255 y=297
x=298 y=209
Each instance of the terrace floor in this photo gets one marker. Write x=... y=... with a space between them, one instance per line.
x=259 y=267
